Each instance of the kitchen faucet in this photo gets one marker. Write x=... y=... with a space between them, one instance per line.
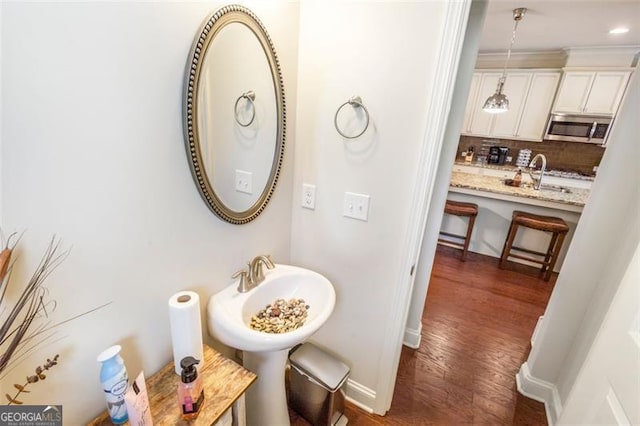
x=537 y=182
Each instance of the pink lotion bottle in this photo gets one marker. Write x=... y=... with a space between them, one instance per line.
x=190 y=392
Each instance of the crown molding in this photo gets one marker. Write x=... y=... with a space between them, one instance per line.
x=612 y=56
x=599 y=50
x=532 y=59
x=592 y=56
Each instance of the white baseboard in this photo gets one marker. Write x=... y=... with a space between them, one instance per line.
x=360 y=396
x=540 y=390
x=412 y=337
x=535 y=331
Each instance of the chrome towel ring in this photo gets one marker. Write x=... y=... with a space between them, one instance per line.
x=354 y=101
x=250 y=96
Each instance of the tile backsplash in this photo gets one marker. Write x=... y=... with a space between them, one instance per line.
x=565 y=156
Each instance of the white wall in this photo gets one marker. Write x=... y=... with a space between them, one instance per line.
x=603 y=245
x=388 y=57
x=1 y=115
x=93 y=151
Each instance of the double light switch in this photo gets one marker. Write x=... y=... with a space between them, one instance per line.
x=356 y=206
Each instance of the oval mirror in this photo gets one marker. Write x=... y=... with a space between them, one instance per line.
x=234 y=114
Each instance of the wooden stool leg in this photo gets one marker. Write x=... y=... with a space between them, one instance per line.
x=467 y=239
x=549 y=255
x=554 y=256
x=506 y=250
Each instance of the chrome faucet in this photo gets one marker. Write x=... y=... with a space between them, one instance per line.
x=254 y=275
x=537 y=182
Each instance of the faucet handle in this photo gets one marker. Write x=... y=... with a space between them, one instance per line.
x=268 y=262
x=245 y=283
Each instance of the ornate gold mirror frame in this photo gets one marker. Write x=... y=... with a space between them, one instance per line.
x=212 y=26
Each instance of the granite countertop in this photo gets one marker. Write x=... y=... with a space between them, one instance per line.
x=513 y=168
x=576 y=197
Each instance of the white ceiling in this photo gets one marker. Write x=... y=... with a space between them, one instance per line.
x=558 y=24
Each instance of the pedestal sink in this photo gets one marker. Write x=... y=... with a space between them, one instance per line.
x=229 y=315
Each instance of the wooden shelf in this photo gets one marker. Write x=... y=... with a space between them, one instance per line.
x=224 y=382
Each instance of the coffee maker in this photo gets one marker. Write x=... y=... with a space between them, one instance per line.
x=497 y=155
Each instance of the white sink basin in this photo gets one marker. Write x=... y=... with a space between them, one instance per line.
x=230 y=312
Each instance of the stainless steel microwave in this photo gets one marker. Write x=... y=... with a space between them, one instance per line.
x=578 y=128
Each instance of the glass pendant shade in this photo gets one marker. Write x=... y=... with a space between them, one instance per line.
x=497 y=102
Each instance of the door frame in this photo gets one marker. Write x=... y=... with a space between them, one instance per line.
x=451 y=42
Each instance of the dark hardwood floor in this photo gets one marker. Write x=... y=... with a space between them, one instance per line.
x=477 y=323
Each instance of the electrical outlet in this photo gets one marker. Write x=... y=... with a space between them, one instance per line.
x=356 y=206
x=244 y=181
x=308 y=196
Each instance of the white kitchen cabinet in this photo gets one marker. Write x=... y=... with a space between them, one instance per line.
x=516 y=87
x=591 y=92
x=606 y=92
x=473 y=94
x=481 y=122
x=535 y=114
x=530 y=94
x=573 y=92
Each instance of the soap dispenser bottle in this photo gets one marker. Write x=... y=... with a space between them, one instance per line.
x=190 y=392
x=517 y=179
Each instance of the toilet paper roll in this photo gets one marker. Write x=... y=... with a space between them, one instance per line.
x=186 y=328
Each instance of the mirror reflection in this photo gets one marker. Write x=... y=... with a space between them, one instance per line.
x=237 y=133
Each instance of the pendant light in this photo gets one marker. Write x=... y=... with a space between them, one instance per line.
x=498 y=102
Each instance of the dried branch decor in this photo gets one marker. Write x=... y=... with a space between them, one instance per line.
x=39 y=375
x=26 y=323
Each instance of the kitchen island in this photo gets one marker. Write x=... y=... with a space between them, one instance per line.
x=496 y=203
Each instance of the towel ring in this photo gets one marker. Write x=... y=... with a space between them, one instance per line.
x=354 y=101
x=250 y=96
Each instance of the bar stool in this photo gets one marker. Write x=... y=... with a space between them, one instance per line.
x=555 y=225
x=458 y=208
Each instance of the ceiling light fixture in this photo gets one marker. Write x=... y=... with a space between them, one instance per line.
x=498 y=102
x=620 y=30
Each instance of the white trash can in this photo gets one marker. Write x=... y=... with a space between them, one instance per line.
x=317 y=386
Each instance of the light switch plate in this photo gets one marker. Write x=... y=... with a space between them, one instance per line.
x=356 y=206
x=244 y=181
x=308 y=196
